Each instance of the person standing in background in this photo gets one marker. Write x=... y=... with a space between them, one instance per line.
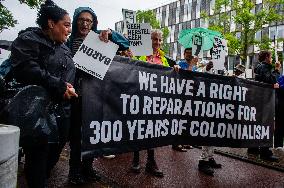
x=265 y=72
x=207 y=163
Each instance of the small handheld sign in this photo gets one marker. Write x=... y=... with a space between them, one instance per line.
x=219 y=53
x=129 y=16
x=95 y=56
x=197 y=42
x=139 y=35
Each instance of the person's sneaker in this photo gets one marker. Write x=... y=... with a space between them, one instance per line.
x=212 y=163
x=76 y=179
x=179 y=148
x=109 y=156
x=152 y=168
x=136 y=168
x=270 y=158
x=204 y=167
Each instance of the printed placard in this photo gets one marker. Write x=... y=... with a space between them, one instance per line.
x=129 y=16
x=218 y=53
x=197 y=42
x=139 y=35
x=95 y=56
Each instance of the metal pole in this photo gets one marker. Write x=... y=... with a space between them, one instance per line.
x=275 y=47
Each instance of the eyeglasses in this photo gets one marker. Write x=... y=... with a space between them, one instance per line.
x=82 y=21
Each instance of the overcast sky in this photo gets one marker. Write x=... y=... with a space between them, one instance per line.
x=108 y=12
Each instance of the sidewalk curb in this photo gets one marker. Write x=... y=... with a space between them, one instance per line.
x=258 y=161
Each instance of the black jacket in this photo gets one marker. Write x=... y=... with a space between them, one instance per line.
x=265 y=73
x=36 y=60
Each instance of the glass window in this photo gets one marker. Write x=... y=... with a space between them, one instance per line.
x=258 y=1
x=173 y=33
x=169 y=36
x=178 y=51
x=212 y=5
x=163 y=23
x=193 y=10
x=198 y=9
x=185 y=18
x=171 y=49
x=223 y=8
x=238 y=35
x=189 y=10
x=175 y=51
x=280 y=33
x=231 y=62
x=176 y=32
x=181 y=52
x=228 y=7
x=167 y=15
x=258 y=8
x=177 y=14
x=197 y=23
x=203 y=5
x=232 y=24
x=258 y=36
x=171 y=17
x=192 y=23
x=265 y=32
x=252 y=10
x=272 y=32
x=252 y=25
x=188 y=24
x=181 y=14
x=161 y=15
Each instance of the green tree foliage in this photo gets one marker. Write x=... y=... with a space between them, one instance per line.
x=6 y=18
x=248 y=22
x=149 y=17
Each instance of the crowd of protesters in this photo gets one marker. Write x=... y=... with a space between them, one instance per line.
x=43 y=56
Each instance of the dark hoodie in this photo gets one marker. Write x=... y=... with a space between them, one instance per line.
x=265 y=72
x=36 y=60
x=116 y=37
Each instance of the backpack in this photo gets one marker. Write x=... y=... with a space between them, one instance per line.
x=5 y=68
x=8 y=87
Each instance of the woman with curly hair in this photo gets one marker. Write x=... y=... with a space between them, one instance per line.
x=39 y=57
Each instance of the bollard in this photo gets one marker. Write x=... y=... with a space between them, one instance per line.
x=9 y=147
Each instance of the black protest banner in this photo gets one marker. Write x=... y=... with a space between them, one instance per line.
x=139 y=105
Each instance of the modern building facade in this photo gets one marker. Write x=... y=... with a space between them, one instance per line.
x=186 y=14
